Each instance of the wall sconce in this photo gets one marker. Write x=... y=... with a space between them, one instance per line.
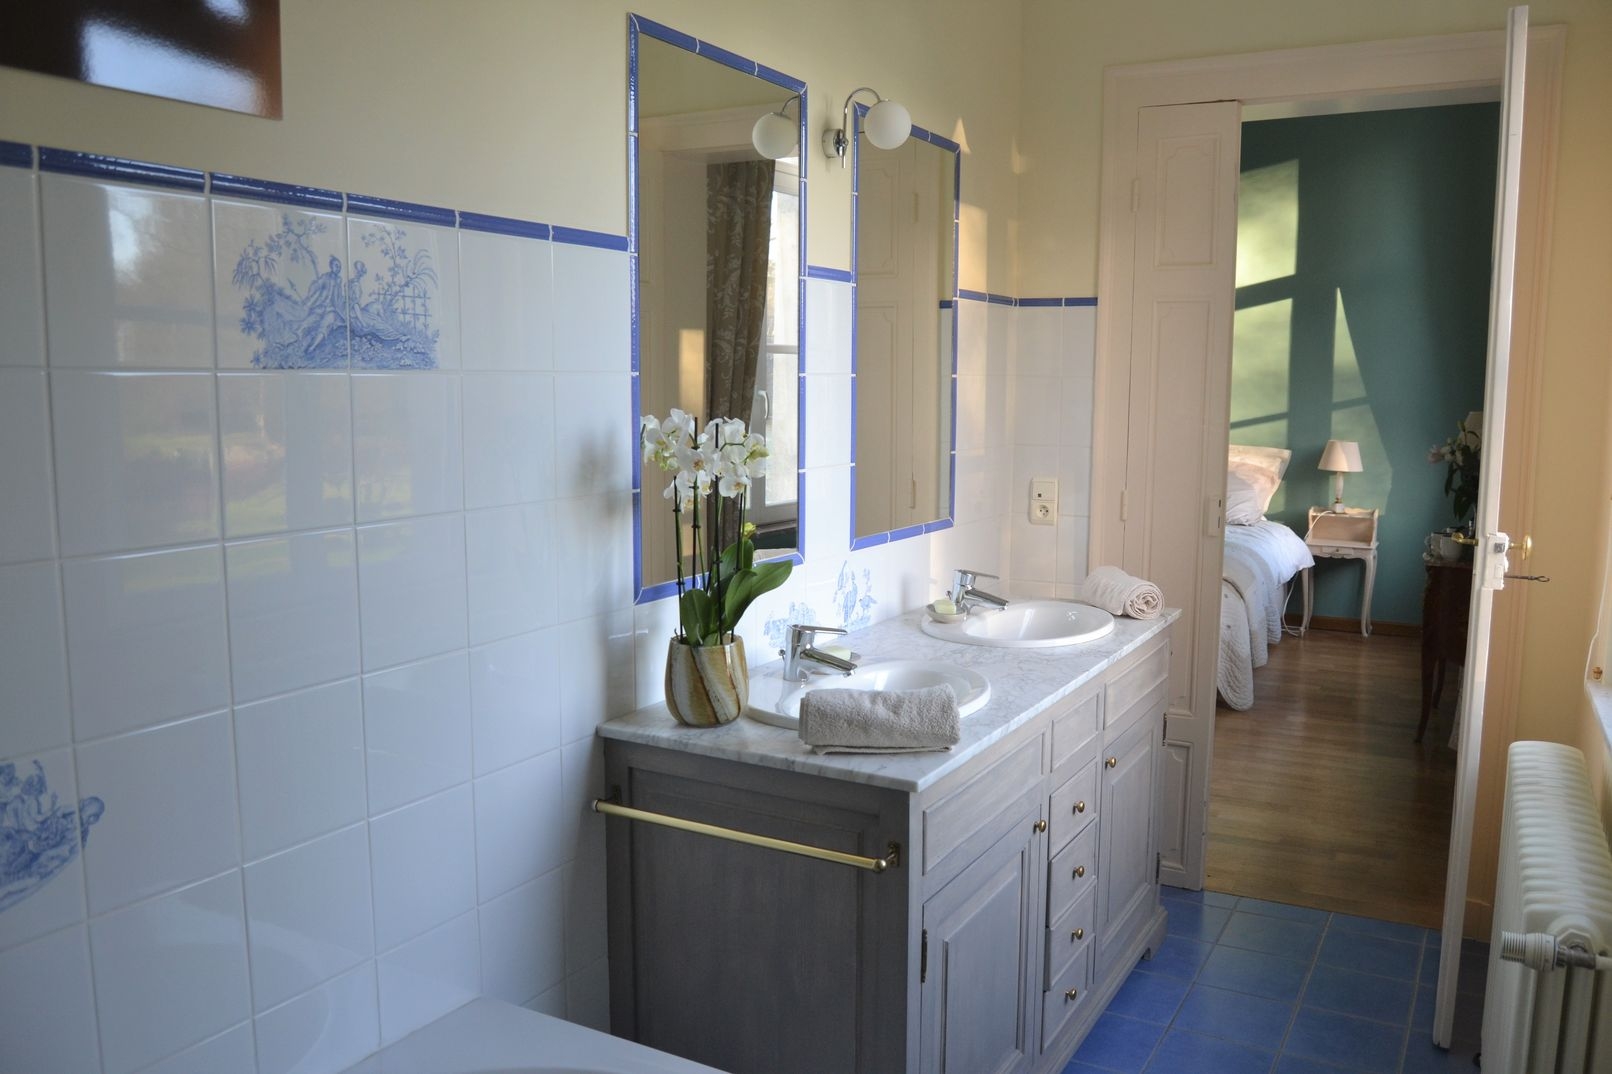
x=1341 y=457
x=887 y=125
x=775 y=135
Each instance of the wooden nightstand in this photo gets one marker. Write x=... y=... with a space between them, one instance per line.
x=1349 y=535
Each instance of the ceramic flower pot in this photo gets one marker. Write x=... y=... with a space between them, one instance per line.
x=707 y=685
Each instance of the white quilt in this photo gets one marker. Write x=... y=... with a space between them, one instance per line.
x=1259 y=562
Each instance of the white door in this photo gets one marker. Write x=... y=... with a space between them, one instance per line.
x=1185 y=203
x=1489 y=565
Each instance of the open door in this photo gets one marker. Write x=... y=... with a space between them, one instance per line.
x=1490 y=560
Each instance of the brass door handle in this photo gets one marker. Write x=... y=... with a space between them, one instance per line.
x=1080 y=871
x=1111 y=762
x=1071 y=995
x=1080 y=807
x=1078 y=934
x=1040 y=825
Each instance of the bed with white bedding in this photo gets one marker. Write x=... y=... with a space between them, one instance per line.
x=1261 y=560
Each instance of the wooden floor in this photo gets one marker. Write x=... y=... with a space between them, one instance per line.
x=1318 y=795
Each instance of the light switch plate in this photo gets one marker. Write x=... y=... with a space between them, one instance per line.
x=1043 y=501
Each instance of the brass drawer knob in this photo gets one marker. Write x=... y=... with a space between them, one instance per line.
x=1080 y=807
x=1111 y=762
x=1071 y=995
x=1041 y=825
x=1080 y=871
x=1078 y=934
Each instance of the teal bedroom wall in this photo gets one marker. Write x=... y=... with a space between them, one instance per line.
x=1362 y=314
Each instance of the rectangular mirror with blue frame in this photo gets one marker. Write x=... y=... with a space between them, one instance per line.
x=717 y=234
x=904 y=353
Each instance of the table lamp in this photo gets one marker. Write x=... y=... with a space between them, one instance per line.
x=1341 y=457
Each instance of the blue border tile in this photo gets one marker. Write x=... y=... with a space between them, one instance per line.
x=504 y=225
x=972 y=296
x=721 y=55
x=1031 y=303
x=999 y=300
x=823 y=272
x=121 y=169
x=662 y=32
x=240 y=186
x=369 y=205
x=1092 y=301
x=16 y=155
x=577 y=236
x=778 y=78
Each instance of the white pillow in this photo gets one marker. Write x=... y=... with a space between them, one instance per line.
x=1274 y=459
x=1249 y=489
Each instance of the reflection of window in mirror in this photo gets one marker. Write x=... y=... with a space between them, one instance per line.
x=719 y=265
x=905 y=223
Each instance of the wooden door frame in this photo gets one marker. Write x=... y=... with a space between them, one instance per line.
x=1410 y=65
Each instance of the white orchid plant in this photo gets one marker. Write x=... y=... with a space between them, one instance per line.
x=723 y=458
x=1463 y=454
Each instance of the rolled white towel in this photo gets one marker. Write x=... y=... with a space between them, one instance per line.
x=879 y=721
x=1118 y=593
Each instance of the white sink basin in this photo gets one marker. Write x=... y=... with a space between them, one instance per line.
x=774 y=701
x=1026 y=624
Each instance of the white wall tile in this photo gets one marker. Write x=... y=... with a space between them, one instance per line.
x=308 y=915
x=587 y=997
x=591 y=309
x=972 y=413
x=653 y=625
x=411 y=587
x=523 y=941
x=33 y=661
x=593 y=434
x=509 y=438
x=597 y=676
x=1038 y=417
x=193 y=941
x=586 y=901
x=828 y=420
x=293 y=612
x=145 y=638
x=136 y=460
x=47 y=1011
x=506 y=301
x=592 y=556
x=59 y=900
x=301 y=762
x=971 y=358
x=423 y=858
x=509 y=557
x=1075 y=424
x=582 y=773
x=551 y=1002
x=1080 y=341
x=27 y=525
x=1038 y=350
x=518 y=825
x=128 y=276
x=428 y=977
x=406 y=445
x=828 y=515
x=512 y=688
x=324 y=1031
x=1035 y=551
x=417 y=730
x=1000 y=322
x=22 y=303
x=829 y=318
x=231 y=1050
x=170 y=809
x=263 y=253
x=288 y=451
x=1074 y=480
x=1073 y=542
x=393 y=256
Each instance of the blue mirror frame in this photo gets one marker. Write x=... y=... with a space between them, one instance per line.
x=949 y=303
x=638 y=26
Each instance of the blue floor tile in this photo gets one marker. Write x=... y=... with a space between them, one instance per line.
x=1422 y=1056
x=1381 y=999
x=1077 y=1067
x=1368 y=954
x=1298 y=1064
x=1119 y=1043
x=1255 y=973
x=1272 y=935
x=1177 y=956
x=1207 y=898
x=1152 y=997
x=1384 y=930
x=1195 y=920
x=1282 y=910
x=1189 y=1053
x=1353 y=1042
x=1468 y=1024
x=1250 y=1019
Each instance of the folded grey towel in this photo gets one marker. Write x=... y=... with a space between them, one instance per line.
x=874 y=721
x=1118 y=593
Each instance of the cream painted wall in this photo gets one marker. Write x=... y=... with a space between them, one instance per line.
x=518 y=107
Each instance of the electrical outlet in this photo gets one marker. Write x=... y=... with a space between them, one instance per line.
x=1041 y=514
x=1043 y=501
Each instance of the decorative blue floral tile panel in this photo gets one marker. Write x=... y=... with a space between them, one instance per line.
x=38 y=834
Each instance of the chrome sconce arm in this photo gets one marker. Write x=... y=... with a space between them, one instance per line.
x=887 y=125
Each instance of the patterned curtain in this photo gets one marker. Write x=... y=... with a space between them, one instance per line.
x=738 y=226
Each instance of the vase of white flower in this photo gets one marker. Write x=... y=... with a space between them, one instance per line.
x=707 y=680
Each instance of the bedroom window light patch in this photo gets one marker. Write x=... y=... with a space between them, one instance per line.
x=1267 y=223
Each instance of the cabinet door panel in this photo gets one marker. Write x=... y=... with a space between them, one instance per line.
x=982 y=943
x=1125 y=875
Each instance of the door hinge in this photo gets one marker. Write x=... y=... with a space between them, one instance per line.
x=1124 y=505
x=923 y=959
x=1136 y=194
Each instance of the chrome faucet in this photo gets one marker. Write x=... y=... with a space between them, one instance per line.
x=964 y=595
x=801 y=650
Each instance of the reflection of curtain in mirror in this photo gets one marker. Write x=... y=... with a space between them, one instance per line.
x=738 y=223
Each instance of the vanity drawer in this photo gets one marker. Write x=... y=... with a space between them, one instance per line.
x=1073 y=806
x=1070 y=935
x=951 y=819
x=1077 y=725
x=1072 y=873
x=1066 y=998
x=1129 y=695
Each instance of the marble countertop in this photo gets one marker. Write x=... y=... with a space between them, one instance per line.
x=1024 y=682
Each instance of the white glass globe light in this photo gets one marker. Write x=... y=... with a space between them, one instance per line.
x=887 y=124
x=775 y=135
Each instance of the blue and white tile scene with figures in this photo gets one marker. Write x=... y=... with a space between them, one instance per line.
x=316 y=577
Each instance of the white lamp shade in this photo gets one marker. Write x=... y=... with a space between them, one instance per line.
x=775 y=135
x=887 y=124
x=1341 y=456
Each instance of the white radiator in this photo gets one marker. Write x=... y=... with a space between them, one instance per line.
x=1546 y=1008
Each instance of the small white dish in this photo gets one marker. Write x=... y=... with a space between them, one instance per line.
x=944 y=617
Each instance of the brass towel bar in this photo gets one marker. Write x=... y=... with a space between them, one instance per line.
x=891 y=859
